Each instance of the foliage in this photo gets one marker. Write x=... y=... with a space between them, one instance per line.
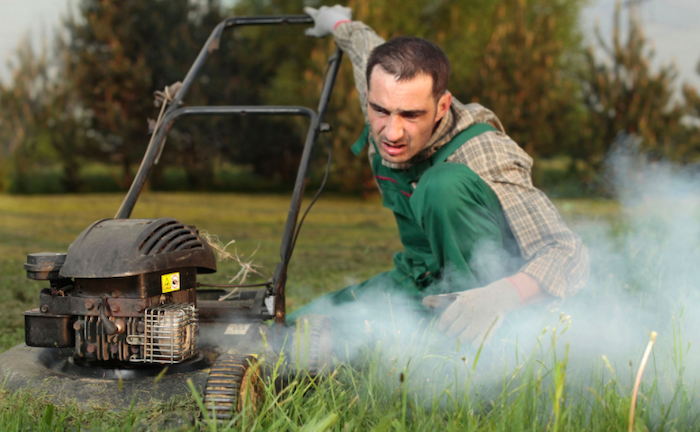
x=524 y=73
x=88 y=99
x=118 y=53
x=41 y=121
x=688 y=143
x=623 y=94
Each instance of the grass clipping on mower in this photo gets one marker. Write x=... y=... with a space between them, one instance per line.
x=222 y=255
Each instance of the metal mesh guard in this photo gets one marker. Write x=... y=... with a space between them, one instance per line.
x=170 y=334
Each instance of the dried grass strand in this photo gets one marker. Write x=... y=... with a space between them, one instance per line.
x=639 y=378
x=247 y=268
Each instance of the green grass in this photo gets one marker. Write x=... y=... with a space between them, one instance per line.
x=417 y=379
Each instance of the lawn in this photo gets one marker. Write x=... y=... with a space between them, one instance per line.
x=565 y=370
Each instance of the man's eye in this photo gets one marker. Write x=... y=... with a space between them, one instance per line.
x=379 y=110
x=410 y=116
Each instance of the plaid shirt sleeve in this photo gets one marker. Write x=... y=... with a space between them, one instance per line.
x=357 y=40
x=556 y=257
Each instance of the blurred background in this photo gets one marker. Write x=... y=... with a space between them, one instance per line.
x=571 y=81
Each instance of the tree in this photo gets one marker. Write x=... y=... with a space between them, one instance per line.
x=524 y=72
x=120 y=52
x=23 y=112
x=623 y=94
x=40 y=120
x=688 y=143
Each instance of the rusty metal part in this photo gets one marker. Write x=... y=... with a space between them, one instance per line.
x=73 y=305
x=44 y=265
x=109 y=327
x=121 y=326
x=94 y=331
x=47 y=330
x=137 y=286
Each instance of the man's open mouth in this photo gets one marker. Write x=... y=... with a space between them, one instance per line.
x=393 y=149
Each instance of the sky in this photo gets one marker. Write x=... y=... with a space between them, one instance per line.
x=672 y=25
x=28 y=17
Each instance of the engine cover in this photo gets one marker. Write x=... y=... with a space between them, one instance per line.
x=112 y=248
x=126 y=290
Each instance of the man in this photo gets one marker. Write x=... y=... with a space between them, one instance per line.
x=469 y=218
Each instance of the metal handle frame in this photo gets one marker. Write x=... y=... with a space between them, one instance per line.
x=172 y=112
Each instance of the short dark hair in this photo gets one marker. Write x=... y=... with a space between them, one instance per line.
x=406 y=57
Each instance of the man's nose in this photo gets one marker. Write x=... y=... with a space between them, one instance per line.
x=394 y=129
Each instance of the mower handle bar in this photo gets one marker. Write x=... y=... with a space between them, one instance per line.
x=242 y=110
x=210 y=45
x=172 y=112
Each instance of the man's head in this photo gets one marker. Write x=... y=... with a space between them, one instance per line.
x=406 y=95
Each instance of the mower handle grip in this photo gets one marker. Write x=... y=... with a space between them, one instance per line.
x=269 y=20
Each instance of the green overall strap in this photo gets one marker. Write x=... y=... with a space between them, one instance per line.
x=417 y=262
x=472 y=131
x=361 y=142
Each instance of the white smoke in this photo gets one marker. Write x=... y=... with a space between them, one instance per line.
x=645 y=276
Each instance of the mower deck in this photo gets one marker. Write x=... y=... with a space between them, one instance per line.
x=223 y=329
x=52 y=370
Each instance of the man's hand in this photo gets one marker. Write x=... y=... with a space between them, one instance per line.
x=471 y=313
x=326 y=18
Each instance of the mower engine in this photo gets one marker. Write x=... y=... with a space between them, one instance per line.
x=124 y=292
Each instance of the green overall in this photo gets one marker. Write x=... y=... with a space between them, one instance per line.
x=451 y=214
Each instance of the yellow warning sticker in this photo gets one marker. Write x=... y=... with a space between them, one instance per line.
x=170 y=282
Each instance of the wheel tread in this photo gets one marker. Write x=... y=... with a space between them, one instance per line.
x=223 y=388
x=318 y=324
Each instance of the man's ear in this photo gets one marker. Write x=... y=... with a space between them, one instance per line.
x=443 y=105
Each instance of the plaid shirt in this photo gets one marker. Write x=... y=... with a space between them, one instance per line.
x=556 y=257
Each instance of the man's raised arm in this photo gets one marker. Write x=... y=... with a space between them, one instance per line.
x=356 y=39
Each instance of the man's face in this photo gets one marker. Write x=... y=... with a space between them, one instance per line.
x=402 y=115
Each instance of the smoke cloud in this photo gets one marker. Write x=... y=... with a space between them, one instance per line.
x=645 y=273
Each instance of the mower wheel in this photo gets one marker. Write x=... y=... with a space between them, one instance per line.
x=234 y=382
x=310 y=346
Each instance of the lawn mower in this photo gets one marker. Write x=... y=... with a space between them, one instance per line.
x=123 y=317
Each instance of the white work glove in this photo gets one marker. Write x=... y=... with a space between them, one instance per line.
x=471 y=313
x=325 y=19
